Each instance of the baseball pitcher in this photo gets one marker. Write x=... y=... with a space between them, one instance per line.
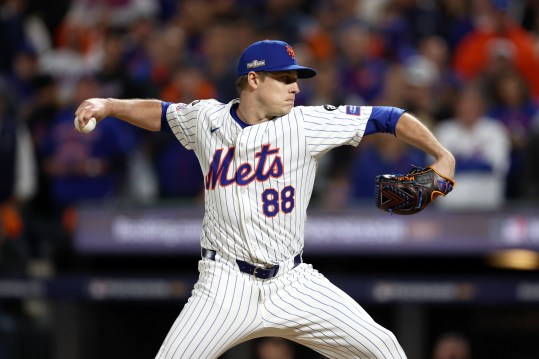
x=259 y=156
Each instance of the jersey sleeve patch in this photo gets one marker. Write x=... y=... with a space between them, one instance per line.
x=353 y=110
x=328 y=107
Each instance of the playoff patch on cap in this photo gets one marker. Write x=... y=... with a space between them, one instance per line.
x=271 y=56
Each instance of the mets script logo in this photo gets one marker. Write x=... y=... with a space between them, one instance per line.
x=290 y=52
x=268 y=164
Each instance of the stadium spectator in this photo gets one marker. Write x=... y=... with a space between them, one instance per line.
x=136 y=58
x=515 y=109
x=112 y=74
x=455 y=21
x=360 y=66
x=422 y=80
x=41 y=219
x=481 y=147
x=497 y=35
x=17 y=183
x=394 y=88
x=217 y=59
x=280 y=19
x=84 y=167
x=274 y=348
x=194 y=17
x=452 y=346
x=317 y=33
x=21 y=78
x=404 y=23
x=74 y=56
x=445 y=84
x=113 y=13
x=12 y=33
x=179 y=174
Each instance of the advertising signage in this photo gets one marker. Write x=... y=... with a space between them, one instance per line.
x=175 y=231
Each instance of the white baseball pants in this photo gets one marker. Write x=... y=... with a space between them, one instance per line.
x=228 y=307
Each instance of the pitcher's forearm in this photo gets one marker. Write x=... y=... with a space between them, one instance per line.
x=412 y=131
x=141 y=113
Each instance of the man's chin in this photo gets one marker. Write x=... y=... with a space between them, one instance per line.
x=285 y=111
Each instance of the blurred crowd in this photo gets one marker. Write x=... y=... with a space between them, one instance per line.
x=448 y=345
x=467 y=69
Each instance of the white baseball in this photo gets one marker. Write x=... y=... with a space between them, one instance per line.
x=90 y=126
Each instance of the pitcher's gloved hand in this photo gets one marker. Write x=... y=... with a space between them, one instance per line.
x=411 y=192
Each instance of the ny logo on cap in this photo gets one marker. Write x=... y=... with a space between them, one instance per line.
x=290 y=52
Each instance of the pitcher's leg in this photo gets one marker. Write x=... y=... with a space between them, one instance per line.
x=314 y=312
x=221 y=312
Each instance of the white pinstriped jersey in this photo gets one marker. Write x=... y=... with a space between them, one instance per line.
x=259 y=179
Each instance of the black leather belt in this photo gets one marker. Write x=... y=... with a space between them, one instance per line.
x=246 y=267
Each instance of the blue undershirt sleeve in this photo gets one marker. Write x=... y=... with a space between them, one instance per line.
x=383 y=120
x=164 y=124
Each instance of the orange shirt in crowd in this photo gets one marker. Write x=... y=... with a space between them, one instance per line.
x=476 y=50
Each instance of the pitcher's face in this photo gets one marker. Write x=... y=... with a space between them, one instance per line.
x=277 y=92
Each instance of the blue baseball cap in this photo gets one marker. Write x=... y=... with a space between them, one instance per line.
x=271 y=56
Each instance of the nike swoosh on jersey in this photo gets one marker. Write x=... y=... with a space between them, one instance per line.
x=214 y=129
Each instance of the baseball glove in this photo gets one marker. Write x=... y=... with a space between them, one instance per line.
x=411 y=192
